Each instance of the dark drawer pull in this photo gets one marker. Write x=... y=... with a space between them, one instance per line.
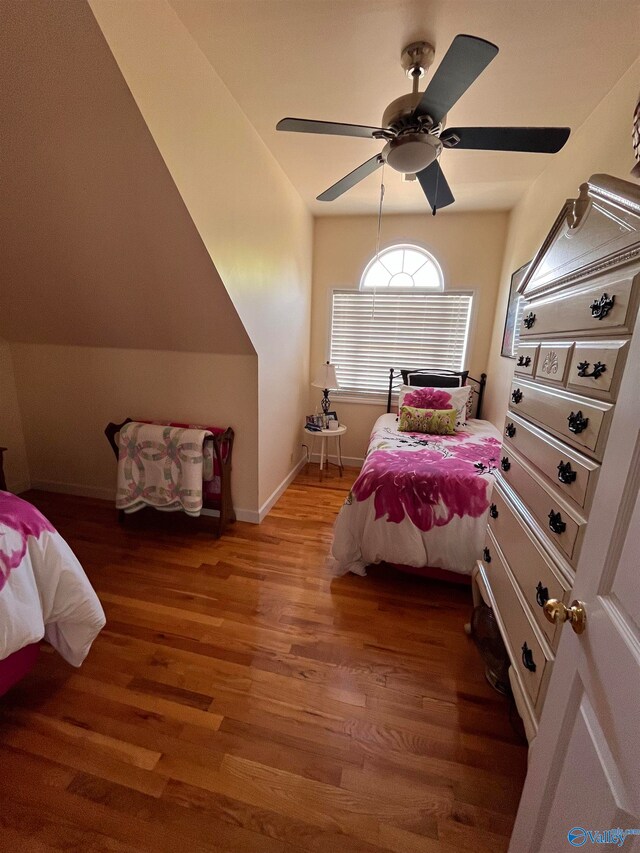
x=601 y=307
x=527 y=658
x=486 y=555
x=542 y=594
x=577 y=423
x=516 y=396
x=556 y=524
x=510 y=430
x=529 y=320
x=493 y=511
x=524 y=361
x=566 y=474
x=505 y=464
x=598 y=369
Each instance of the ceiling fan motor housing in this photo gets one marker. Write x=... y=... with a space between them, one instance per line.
x=411 y=152
x=401 y=110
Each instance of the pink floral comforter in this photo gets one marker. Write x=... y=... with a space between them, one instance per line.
x=44 y=591
x=420 y=500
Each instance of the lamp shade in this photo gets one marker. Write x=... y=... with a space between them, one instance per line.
x=326 y=377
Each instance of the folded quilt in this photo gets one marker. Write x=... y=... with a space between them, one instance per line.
x=211 y=473
x=160 y=466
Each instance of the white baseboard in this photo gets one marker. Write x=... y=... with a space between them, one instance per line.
x=249 y=515
x=110 y=495
x=272 y=499
x=349 y=461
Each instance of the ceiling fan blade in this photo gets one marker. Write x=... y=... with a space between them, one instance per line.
x=305 y=125
x=435 y=186
x=351 y=179
x=465 y=60
x=544 y=140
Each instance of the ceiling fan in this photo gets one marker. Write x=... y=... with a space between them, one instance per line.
x=414 y=125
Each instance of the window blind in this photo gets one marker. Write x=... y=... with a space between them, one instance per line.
x=370 y=333
x=518 y=325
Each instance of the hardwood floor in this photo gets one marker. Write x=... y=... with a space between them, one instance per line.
x=240 y=699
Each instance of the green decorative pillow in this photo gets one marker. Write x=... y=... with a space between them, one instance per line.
x=434 y=421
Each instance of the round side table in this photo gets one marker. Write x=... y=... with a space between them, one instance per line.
x=324 y=435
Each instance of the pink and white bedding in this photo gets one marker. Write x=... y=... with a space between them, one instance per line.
x=44 y=591
x=419 y=500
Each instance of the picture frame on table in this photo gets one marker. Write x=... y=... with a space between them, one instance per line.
x=510 y=334
x=314 y=420
x=332 y=416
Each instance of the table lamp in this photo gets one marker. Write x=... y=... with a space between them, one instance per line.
x=326 y=379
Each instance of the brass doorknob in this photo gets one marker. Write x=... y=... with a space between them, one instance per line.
x=557 y=612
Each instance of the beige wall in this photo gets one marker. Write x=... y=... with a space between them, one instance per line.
x=69 y=394
x=469 y=248
x=11 y=434
x=100 y=249
x=601 y=144
x=97 y=246
x=252 y=221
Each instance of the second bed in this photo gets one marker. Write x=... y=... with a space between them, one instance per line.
x=420 y=500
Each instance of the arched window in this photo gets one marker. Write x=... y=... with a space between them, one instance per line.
x=401 y=316
x=403 y=266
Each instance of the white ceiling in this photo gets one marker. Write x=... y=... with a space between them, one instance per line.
x=338 y=60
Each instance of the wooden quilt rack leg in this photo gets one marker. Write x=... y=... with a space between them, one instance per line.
x=223 y=448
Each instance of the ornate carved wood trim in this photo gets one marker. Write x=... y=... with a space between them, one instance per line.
x=597 y=231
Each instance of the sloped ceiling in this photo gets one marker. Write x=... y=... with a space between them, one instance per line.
x=339 y=60
x=96 y=245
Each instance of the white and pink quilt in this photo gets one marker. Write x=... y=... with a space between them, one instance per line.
x=44 y=591
x=162 y=466
x=419 y=500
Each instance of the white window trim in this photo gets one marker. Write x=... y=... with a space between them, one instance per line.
x=429 y=258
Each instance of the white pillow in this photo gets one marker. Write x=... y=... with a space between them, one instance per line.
x=437 y=398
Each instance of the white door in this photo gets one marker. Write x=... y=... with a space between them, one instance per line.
x=584 y=767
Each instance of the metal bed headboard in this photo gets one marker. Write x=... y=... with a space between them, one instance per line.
x=477 y=385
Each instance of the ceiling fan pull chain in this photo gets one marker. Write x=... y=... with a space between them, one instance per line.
x=373 y=305
x=380 y=212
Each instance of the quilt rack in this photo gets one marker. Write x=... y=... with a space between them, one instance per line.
x=222 y=442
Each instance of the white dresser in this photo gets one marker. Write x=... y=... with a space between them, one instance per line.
x=583 y=289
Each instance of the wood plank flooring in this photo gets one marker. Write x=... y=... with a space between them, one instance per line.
x=241 y=699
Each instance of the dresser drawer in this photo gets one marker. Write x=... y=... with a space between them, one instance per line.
x=570 y=472
x=534 y=571
x=526 y=359
x=523 y=645
x=596 y=368
x=583 y=422
x=563 y=525
x=602 y=309
x=553 y=361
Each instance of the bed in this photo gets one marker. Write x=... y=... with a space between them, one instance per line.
x=44 y=593
x=420 y=501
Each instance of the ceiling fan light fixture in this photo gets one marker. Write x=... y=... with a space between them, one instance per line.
x=412 y=152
